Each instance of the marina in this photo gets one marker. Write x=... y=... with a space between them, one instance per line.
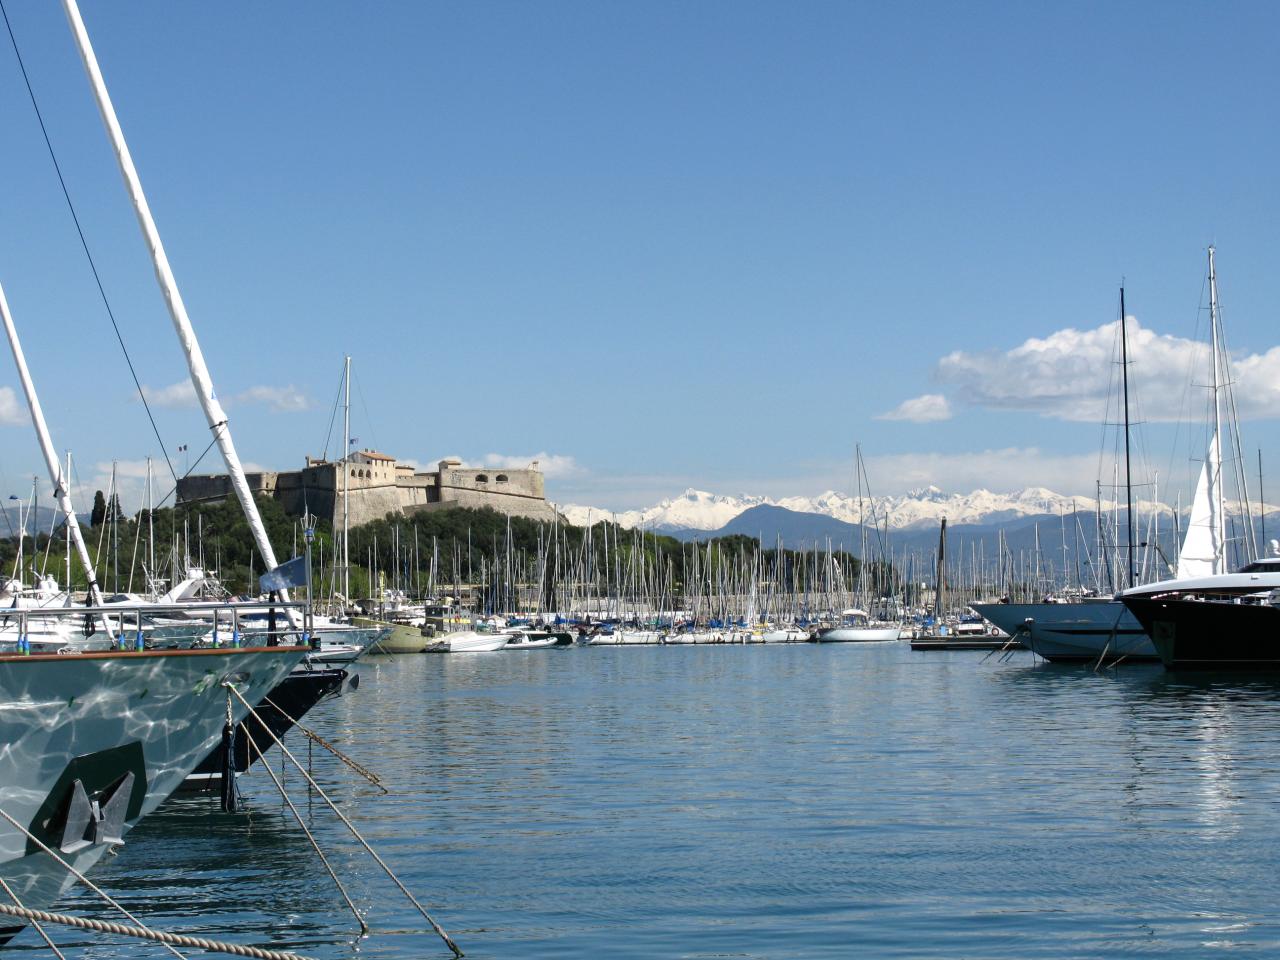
x=980 y=660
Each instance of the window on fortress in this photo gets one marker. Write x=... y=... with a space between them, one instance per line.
x=501 y=478
x=482 y=478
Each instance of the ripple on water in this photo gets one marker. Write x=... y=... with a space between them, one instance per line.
x=802 y=801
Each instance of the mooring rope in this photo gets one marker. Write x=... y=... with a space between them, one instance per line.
x=82 y=878
x=35 y=923
x=144 y=933
x=440 y=932
x=316 y=738
x=364 y=927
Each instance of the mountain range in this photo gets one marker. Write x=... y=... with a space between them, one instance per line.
x=698 y=510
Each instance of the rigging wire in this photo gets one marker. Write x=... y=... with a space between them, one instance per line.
x=84 y=243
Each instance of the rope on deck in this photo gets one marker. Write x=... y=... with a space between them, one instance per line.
x=439 y=930
x=143 y=933
x=316 y=738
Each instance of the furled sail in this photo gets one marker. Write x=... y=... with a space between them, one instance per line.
x=1202 y=550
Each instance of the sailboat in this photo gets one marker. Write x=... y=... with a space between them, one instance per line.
x=1206 y=617
x=856 y=624
x=1094 y=629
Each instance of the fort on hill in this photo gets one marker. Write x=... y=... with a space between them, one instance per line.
x=378 y=485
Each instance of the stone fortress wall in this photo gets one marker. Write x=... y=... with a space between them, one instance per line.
x=378 y=485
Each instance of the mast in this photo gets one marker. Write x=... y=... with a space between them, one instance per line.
x=60 y=486
x=1216 y=511
x=346 y=473
x=200 y=378
x=1128 y=475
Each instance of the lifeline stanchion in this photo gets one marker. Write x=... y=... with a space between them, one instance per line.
x=440 y=932
x=364 y=927
x=81 y=877
x=144 y=933
x=312 y=735
x=35 y=923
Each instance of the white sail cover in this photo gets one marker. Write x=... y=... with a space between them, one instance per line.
x=1202 y=553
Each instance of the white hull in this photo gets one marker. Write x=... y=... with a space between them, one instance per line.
x=471 y=642
x=626 y=638
x=97 y=718
x=521 y=642
x=785 y=636
x=860 y=634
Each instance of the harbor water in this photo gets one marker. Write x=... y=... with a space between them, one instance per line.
x=778 y=801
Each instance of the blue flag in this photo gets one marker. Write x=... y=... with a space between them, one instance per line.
x=292 y=573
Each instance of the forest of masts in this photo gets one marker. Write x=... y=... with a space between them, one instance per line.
x=498 y=564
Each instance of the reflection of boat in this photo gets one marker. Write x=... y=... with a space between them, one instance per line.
x=95 y=741
x=856 y=627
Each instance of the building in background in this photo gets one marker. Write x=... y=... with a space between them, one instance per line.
x=378 y=485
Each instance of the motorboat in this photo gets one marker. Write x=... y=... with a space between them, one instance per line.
x=1224 y=621
x=470 y=641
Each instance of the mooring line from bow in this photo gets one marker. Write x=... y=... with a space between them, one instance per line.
x=364 y=927
x=439 y=930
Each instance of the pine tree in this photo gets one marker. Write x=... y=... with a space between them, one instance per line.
x=99 y=513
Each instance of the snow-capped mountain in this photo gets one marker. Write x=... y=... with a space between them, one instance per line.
x=692 y=510
x=700 y=510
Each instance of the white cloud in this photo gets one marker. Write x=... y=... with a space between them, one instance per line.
x=12 y=413
x=180 y=394
x=1074 y=375
x=288 y=399
x=552 y=465
x=929 y=408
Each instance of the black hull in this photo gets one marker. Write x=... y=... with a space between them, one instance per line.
x=289 y=701
x=1210 y=635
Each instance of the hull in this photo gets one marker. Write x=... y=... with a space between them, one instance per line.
x=859 y=634
x=785 y=636
x=709 y=636
x=626 y=638
x=1073 y=632
x=289 y=700
x=469 y=642
x=1211 y=635
x=401 y=638
x=128 y=728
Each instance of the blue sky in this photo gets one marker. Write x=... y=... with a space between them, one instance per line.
x=654 y=245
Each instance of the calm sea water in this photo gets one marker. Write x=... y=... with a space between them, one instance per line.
x=792 y=801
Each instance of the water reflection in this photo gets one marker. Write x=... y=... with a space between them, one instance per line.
x=782 y=801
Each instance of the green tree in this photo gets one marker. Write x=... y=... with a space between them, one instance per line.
x=99 y=513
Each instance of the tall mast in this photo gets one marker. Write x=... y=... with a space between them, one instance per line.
x=200 y=378
x=346 y=472
x=1128 y=475
x=1216 y=511
x=60 y=487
